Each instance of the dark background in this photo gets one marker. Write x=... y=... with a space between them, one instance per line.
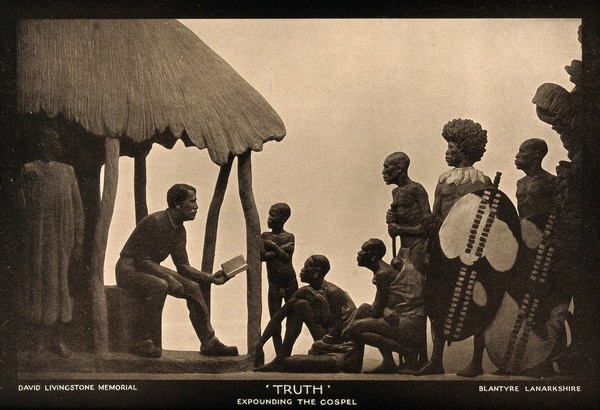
x=223 y=394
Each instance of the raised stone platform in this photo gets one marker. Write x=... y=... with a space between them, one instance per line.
x=124 y=311
x=171 y=361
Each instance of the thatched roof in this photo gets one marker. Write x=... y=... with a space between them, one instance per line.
x=135 y=78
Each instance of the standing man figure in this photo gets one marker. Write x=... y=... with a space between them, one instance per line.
x=410 y=206
x=277 y=250
x=406 y=217
x=138 y=270
x=536 y=191
x=466 y=145
x=536 y=195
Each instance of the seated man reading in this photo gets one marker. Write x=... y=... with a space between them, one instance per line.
x=396 y=319
x=325 y=308
x=138 y=270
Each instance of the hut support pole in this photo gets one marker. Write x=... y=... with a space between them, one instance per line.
x=253 y=276
x=139 y=186
x=107 y=203
x=212 y=224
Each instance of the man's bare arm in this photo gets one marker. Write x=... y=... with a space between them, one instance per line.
x=283 y=252
x=382 y=282
x=187 y=271
x=336 y=305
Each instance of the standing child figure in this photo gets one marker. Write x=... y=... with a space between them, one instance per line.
x=277 y=250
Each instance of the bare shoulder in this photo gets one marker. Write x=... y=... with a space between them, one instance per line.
x=303 y=293
x=386 y=274
x=417 y=189
x=287 y=236
x=334 y=290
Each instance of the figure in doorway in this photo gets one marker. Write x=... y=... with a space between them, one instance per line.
x=53 y=227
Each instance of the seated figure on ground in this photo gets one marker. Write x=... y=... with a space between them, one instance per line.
x=325 y=309
x=138 y=270
x=396 y=319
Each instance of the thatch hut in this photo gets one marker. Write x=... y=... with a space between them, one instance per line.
x=118 y=86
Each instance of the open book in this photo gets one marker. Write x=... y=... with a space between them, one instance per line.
x=234 y=266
